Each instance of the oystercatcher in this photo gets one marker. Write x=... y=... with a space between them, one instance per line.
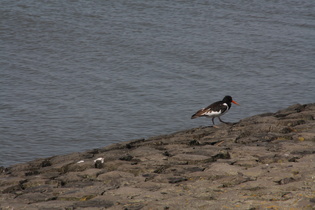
x=216 y=109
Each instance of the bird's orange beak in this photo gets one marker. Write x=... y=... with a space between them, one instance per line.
x=234 y=102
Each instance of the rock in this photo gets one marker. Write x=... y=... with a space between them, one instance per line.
x=264 y=161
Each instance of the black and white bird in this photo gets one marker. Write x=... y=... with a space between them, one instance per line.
x=216 y=109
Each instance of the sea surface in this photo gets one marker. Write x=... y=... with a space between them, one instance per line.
x=77 y=75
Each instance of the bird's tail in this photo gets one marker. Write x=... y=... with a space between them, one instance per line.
x=194 y=116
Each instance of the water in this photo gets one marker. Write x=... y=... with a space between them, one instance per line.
x=78 y=75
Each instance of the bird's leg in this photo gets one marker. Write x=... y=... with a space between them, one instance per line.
x=222 y=120
x=213 y=123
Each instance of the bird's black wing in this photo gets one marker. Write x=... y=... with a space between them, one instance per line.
x=217 y=106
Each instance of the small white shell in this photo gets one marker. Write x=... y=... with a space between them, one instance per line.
x=101 y=159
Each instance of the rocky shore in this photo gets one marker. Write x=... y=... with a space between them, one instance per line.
x=265 y=161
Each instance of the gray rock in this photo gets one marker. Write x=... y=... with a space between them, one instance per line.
x=263 y=161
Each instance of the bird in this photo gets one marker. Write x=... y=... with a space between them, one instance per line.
x=216 y=109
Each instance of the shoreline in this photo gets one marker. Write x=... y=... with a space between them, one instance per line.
x=263 y=161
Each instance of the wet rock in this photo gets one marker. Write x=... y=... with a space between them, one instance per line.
x=221 y=155
x=193 y=143
x=45 y=163
x=176 y=179
x=94 y=204
x=126 y=158
x=285 y=180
